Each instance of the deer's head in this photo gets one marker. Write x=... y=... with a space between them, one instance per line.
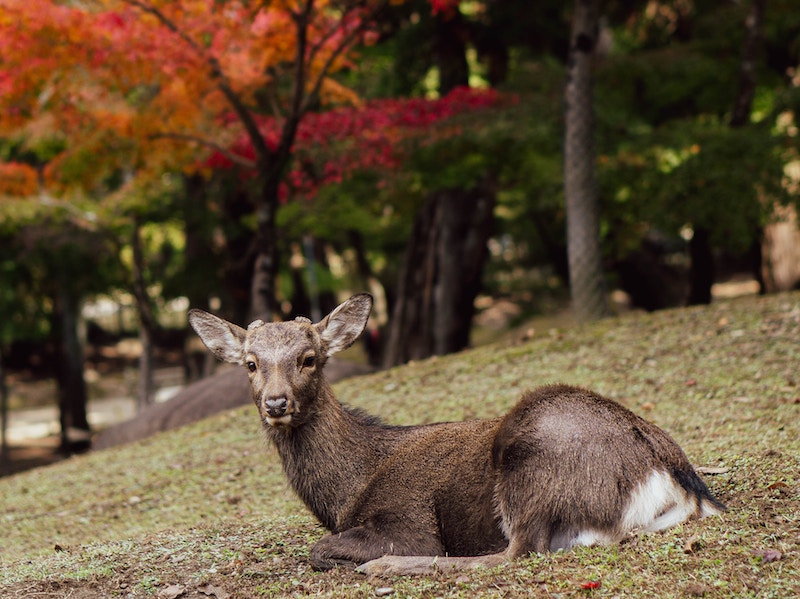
x=284 y=360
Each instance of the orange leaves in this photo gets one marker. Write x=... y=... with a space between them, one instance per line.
x=17 y=179
x=125 y=83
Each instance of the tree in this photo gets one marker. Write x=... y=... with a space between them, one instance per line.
x=580 y=190
x=59 y=258
x=206 y=65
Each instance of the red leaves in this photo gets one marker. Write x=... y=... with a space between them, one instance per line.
x=590 y=585
x=445 y=7
x=332 y=145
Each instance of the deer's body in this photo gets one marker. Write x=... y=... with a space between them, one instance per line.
x=565 y=467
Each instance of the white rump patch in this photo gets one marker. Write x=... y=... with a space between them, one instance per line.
x=587 y=537
x=657 y=504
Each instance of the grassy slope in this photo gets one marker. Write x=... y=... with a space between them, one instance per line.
x=208 y=505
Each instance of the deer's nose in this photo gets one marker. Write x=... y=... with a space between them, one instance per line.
x=276 y=407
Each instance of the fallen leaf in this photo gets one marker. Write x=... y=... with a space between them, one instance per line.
x=692 y=544
x=591 y=584
x=779 y=485
x=768 y=555
x=384 y=591
x=711 y=470
x=212 y=591
x=696 y=589
x=173 y=591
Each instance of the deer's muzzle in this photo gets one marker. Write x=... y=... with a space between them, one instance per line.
x=275 y=408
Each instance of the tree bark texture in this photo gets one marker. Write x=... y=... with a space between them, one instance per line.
x=441 y=275
x=580 y=190
x=265 y=268
x=147 y=324
x=72 y=394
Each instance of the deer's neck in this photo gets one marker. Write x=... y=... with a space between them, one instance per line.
x=331 y=457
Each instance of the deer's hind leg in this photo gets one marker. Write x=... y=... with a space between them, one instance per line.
x=549 y=497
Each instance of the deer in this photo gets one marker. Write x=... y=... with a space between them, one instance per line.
x=565 y=467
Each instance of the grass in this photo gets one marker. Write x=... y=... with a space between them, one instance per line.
x=205 y=510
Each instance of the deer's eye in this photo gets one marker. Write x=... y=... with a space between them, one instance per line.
x=251 y=366
x=309 y=361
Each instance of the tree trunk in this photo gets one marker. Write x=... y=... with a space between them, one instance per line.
x=147 y=324
x=781 y=252
x=450 y=51
x=3 y=412
x=264 y=293
x=198 y=363
x=580 y=190
x=743 y=104
x=701 y=268
x=441 y=275
x=72 y=394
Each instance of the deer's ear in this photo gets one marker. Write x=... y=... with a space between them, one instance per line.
x=345 y=323
x=224 y=339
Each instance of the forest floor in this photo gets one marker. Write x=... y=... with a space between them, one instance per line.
x=204 y=511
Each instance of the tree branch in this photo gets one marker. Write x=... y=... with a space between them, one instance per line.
x=223 y=84
x=337 y=51
x=235 y=158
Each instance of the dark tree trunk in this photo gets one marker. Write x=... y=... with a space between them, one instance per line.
x=701 y=276
x=743 y=104
x=198 y=363
x=72 y=394
x=240 y=248
x=3 y=412
x=147 y=324
x=450 y=51
x=441 y=275
x=583 y=212
x=264 y=292
x=701 y=270
x=265 y=268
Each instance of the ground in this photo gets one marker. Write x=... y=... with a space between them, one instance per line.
x=204 y=511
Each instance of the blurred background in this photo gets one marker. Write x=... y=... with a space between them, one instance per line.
x=488 y=170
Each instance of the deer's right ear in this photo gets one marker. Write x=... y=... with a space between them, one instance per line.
x=345 y=323
x=224 y=339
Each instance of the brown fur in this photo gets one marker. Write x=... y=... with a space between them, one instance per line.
x=564 y=460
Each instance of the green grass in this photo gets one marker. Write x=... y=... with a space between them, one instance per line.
x=207 y=507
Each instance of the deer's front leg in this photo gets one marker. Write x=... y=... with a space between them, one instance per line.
x=361 y=544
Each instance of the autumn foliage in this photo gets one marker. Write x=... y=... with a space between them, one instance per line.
x=371 y=136
x=135 y=81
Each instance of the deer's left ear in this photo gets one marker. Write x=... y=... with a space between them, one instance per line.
x=345 y=323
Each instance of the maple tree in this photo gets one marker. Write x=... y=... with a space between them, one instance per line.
x=138 y=86
x=110 y=95
x=335 y=144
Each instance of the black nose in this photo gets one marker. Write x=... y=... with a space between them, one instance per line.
x=276 y=407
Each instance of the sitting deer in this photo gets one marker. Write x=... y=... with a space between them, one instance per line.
x=564 y=467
